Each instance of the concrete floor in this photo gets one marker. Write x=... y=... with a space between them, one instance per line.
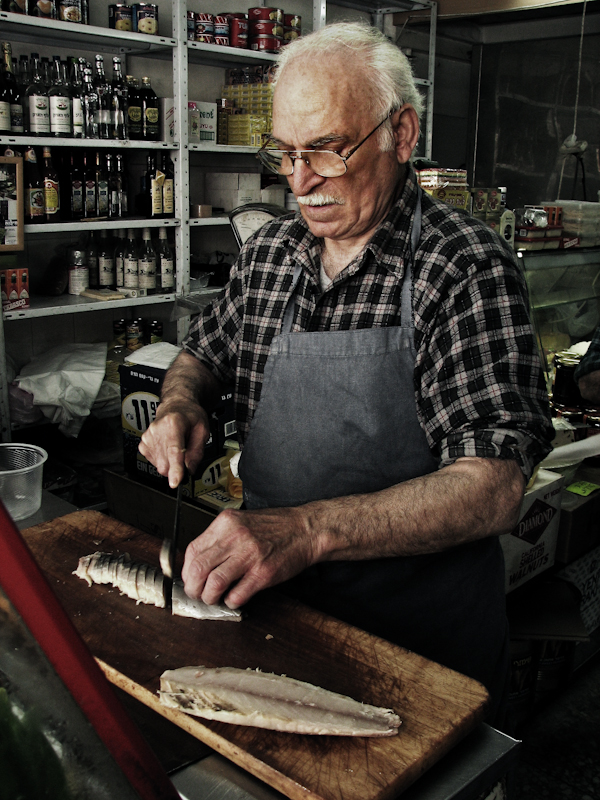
x=560 y=754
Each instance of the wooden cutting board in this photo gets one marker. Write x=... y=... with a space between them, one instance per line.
x=136 y=643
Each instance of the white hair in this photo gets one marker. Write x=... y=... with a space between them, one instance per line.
x=387 y=71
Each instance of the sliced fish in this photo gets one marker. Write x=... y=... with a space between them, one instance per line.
x=265 y=700
x=143 y=583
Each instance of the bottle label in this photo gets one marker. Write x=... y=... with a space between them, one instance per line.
x=120 y=270
x=135 y=114
x=152 y=116
x=77 y=197
x=39 y=114
x=16 y=118
x=147 y=273
x=130 y=267
x=90 y=198
x=106 y=268
x=4 y=116
x=167 y=272
x=168 y=197
x=78 y=280
x=77 y=117
x=156 y=199
x=102 y=198
x=35 y=203
x=60 y=115
x=51 y=196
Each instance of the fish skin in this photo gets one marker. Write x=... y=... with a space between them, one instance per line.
x=276 y=702
x=143 y=583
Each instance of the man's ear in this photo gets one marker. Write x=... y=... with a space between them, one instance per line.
x=405 y=125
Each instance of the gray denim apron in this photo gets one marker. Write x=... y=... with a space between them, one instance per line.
x=337 y=416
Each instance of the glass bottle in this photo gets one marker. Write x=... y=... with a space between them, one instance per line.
x=119 y=257
x=91 y=112
x=23 y=82
x=165 y=263
x=147 y=263
x=101 y=186
x=150 y=112
x=134 y=109
x=5 y=101
x=154 y=180
x=102 y=87
x=76 y=190
x=37 y=98
x=123 y=185
x=11 y=92
x=51 y=188
x=59 y=98
x=118 y=112
x=35 y=210
x=46 y=72
x=92 y=263
x=168 y=188
x=106 y=262
x=77 y=99
x=91 y=194
x=130 y=261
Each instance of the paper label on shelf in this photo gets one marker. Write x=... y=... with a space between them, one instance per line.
x=583 y=488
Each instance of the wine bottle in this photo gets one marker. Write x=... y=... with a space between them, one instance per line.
x=15 y=110
x=91 y=194
x=118 y=111
x=102 y=87
x=154 y=181
x=37 y=96
x=23 y=82
x=76 y=190
x=165 y=263
x=35 y=210
x=150 y=112
x=119 y=257
x=147 y=263
x=134 y=109
x=106 y=262
x=51 y=188
x=124 y=186
x=77 y=99
x=101 y=186
x=130 y=262
x=59 y=98
x=168 y=187
x=92 y=262
x=91 y=112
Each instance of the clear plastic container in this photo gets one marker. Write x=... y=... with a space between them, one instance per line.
x=21 y=469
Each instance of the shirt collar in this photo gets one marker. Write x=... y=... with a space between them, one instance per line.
x=389 y=244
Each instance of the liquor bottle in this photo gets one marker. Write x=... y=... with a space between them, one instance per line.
x=37 y=97
x=150 y=112
x=101 y=186
x=168 y=188
x=90 y=191
x=77 y=99
x=118 y=112
x=76 y=190
x=119 y=257
x=165 y=268
x=106 y=262
x=92 y=262
x=102 y=88
x=147 y=263
x=23 y=82
x=59 y=98
x=91 y=112
x=5 y=101
x=154 y=180
x=130 y=262
x=51 y=188
x=134 y=109
x=35 y=210
x=46 y=72
x=11 y=91
x=123 y=185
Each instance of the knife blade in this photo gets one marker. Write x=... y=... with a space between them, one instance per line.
x=168 y=551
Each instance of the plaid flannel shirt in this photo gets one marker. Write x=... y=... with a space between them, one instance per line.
x=479 y=387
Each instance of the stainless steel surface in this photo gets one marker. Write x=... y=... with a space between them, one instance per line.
x=469 y=769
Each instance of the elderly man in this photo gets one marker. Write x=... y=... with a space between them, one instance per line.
x=389 y=396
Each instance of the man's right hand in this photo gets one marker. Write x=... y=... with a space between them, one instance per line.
x=177 y=436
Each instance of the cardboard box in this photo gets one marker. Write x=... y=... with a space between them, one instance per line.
x=457 y=198
x=15 y=288
x=221 y=189
x=140 y=397
x=531 y=547
x=167 y=119
x=584 y=575
x=579 y=527
x=202 y=121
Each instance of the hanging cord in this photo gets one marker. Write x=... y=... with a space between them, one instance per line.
x=569 y=146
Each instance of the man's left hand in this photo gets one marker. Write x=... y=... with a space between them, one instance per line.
x=248 y=551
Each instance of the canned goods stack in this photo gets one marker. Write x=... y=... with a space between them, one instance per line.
x=262 y=29
x=140 y=17
x=244 y=111
x=65 y=10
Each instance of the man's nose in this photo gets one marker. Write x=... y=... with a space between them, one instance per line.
x=303 y=178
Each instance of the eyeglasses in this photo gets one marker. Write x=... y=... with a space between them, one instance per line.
x=326 y=163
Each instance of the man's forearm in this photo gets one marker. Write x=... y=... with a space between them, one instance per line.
x=188 y=381
x=468 y=500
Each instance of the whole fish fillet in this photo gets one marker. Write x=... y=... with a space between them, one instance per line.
x=144 y=584
x=265 y=700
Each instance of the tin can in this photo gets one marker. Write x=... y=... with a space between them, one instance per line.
x=292 y=21
x=207 y=38
x=145 y=18
x=205 y=25
x=266 y=13
x=134 y=335
x=222 y=40
x=70 y=10
x=265 y=44
x=265 y=28
x=120 y=17
x=289 y=34
x=120 y=332
x=221 y=26
x=155 y=331
x=238 y=32
x=45 y=9
x=191 y=25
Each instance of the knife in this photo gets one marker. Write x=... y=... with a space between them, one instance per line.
x=168 y=551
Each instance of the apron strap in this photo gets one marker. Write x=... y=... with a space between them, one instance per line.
x=406 y=296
